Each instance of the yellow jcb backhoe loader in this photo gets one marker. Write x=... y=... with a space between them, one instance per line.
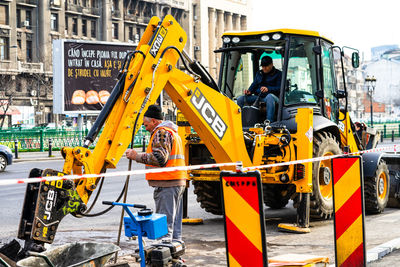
x=223 y=132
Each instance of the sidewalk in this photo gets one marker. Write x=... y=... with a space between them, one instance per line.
x=37 y=156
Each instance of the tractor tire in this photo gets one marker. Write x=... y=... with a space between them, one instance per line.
x=276 y=196
x=394 y=199
x=321 y=200
x=209 y=196
x=376 y=190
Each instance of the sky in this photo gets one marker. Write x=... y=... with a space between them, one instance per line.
x=355 y=23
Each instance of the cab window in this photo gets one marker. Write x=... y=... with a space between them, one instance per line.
x=330 y=101
x=301 y=83
x=240 y=68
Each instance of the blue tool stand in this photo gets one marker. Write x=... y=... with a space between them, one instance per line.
x=144 y=223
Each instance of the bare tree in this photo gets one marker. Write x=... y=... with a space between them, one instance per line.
x=7 y=93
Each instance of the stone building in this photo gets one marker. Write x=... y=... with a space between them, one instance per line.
x=210 y=19
x=28 y=27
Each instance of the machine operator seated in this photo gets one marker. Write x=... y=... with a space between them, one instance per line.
x=266 y=85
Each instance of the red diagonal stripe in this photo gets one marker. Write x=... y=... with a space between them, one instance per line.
x=244 y=252
x=348 y=213
x=246 y=187
x=341 y=166
x=356 y=259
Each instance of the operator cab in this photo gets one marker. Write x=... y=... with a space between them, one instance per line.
x=299 y=55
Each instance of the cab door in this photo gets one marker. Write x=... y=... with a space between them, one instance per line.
x=330 y=101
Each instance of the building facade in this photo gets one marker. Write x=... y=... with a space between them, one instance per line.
x=28 y=28
x=211 y=18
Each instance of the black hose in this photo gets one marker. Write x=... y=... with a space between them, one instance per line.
x=115 y=94
x=103 y=211
x=181 y=56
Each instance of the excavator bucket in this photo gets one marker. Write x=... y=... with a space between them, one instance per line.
x=77 y=255
x=45 y=204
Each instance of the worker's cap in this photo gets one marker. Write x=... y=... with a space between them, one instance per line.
x=154 y=111
x=266 y=61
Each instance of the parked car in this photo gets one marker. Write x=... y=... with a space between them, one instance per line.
x=6 y=157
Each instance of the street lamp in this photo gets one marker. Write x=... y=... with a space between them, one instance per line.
x=371 y=83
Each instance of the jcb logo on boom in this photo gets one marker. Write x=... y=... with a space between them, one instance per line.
x=158 y=41
x=50 y=200
x=208 y=113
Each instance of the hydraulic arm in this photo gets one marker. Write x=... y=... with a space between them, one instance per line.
x=147 y=71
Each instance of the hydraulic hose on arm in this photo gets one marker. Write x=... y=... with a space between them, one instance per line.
x=115 y=94
x=118 y=89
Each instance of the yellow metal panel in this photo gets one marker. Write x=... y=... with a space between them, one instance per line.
x=243 y=216
x=304 y=120
x=347 y=185
x=258 y=150
x=350 y=240
x=347 y=135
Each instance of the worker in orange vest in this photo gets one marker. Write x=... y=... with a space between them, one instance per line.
x=165 y=149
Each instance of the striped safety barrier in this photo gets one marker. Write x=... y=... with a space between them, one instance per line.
x=348 y=212
x=192 y=167
x=244 y=219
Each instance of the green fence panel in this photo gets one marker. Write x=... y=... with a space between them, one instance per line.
x=38 y=139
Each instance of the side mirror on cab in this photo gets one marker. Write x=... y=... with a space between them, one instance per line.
x=355 y=59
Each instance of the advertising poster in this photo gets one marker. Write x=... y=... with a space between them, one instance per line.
x=89 y=72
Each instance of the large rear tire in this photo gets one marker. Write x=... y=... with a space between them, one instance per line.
x=209 y=196
x=376 y=189
x=394 y=199
x=321 y=201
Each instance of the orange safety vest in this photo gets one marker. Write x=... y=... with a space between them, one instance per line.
x=175 y=159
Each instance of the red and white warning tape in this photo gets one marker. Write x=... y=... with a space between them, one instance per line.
x=187 y=168
x=378 y=149
x=113 y=174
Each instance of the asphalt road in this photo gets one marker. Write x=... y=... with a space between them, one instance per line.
x=206 y=243
x=12 y=196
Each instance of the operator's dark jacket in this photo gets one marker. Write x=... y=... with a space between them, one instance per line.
x=272 y=80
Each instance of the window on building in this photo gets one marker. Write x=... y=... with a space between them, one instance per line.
x=74 y=26
x=66 y=24
x=54 y=22
x=114 y=5
x=19 y=86
x=93 y=3
x=138 y=33
x=3 y=15
x=75 y=2
x=195 y=12
x=4 y=48
x=115 y=30
x=19 y=52
x=130 y=34
x=84 y=27
x=18 y=18
x=28 y=19
x=93 y=28
x=29 y=51
x=85 y=3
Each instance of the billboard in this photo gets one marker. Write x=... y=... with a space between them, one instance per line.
x=85 y=73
